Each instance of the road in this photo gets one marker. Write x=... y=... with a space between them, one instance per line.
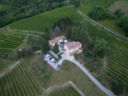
x=101 y=26
x=90 y=76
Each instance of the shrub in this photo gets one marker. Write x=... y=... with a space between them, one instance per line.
x=119 y=13
x=99 y=47
x=123 y=23
x=98 y=13
x=76 y=3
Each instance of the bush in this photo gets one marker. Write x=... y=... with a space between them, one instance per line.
x=119 y=13
x=98 y=13
x=112 y=16
x=123 y=23
x=99 y=47
x=116 y=86
x=76 y=3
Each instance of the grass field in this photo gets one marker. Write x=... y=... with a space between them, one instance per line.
x=47 y=19
x=66 y=91
x=111 y=24
x=19 y=82
x=70 y=72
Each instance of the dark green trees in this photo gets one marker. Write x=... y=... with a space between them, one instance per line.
x=98 y=13
x=76 y=3
x=123 y=23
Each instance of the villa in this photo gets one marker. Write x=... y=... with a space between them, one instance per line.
x=56 y=40
x=72 y=48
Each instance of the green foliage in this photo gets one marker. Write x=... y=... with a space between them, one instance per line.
x=123 y=23
x=119 y=13
x=76 y=3
x=55 y=5
x=56 y=49
x=39 y=43
x=116 y=86
x=98 y=13
x=99 y=47
x=26 y=8
x=50 y=18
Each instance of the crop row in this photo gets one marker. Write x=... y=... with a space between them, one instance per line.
x=67 y=91
x=19 y=82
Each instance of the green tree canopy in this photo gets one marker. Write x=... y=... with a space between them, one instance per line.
x=98 y=13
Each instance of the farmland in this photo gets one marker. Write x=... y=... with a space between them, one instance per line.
x=111 y=5
x=9 y=40
x=116 y=52
x=117 y=56
x=68 y=91
x=19 y=82
x=47 y=19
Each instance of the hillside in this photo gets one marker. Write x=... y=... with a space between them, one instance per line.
x=117 y=49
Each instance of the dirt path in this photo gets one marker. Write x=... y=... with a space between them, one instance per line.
x=55 y=87
x=26 y=32
x=9 y=68
x=93 y=22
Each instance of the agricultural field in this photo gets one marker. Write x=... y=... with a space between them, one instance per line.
x=120 y=5
x=9 y=40
x=116 y=53
x=47 y=19
x=66 y=91
x=116 y=50
x=19 y=82
x=70 y=72
x=111 y=24
x=112 y=5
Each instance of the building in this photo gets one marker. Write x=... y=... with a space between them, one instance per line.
x=56 y=40
x=73 y=48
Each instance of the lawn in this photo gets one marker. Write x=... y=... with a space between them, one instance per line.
x=45 y=20
x=111 y=24
x=70 y=72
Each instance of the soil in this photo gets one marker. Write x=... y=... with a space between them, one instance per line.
x=120 y=5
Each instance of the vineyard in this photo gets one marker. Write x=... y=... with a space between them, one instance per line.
x=67 y=91
x=117 y=53
x=45 y=20
x=9 y=40
x=19 y=82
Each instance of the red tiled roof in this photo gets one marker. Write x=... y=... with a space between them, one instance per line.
x=74 y=52
x=56 y=39
x=72 y=45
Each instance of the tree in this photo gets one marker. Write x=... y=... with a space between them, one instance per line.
x=116 y=86
x=99 y=47
x=119 y=13
x=123 y=23
x=98 y=13
x=76 y=3
x=55 y=5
